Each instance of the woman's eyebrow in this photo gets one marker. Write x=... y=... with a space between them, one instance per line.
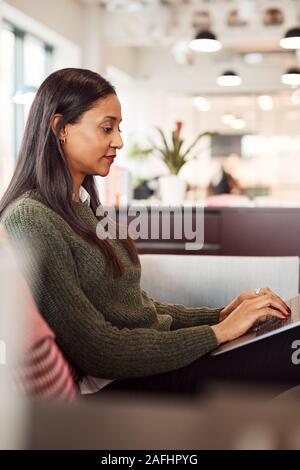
x=111 y=117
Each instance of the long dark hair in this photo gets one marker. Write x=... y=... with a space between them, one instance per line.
x=41 y=164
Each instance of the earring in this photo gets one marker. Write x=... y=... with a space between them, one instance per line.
x=62 y=141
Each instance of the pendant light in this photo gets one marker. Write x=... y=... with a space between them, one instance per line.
x=205 y=41
x=291 y=77
x=291 y=39
x=229 y=78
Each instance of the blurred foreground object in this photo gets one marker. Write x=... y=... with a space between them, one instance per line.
x=227 y=418
x=12 y=404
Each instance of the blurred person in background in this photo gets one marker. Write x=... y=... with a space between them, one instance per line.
x=223 y=183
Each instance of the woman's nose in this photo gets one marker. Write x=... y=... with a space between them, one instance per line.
x=117 y=141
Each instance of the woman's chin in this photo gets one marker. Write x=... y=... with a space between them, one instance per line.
x=102 y=172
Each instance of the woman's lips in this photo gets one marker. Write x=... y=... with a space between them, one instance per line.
x=110 y=158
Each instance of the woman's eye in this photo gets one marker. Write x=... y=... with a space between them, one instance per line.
x=108 y=130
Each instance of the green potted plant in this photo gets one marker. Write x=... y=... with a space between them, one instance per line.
x=174 y=154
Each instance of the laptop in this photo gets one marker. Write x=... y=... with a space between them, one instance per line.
x=264 y=327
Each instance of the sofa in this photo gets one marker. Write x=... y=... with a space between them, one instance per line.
x=214 y=281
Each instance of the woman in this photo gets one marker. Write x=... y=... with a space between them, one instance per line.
x=88 y=287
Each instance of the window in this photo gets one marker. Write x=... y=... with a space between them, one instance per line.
x=7 y=45
x=37 y=57
x=25 y=61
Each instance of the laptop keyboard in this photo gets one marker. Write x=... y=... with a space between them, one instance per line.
x=269 y=324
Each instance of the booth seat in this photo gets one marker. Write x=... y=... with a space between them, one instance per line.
x=214 y=281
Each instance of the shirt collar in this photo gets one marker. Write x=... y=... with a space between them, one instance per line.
x=84 y=196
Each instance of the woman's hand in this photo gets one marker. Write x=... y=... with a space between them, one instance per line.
x=247 y=295
x=242 y=318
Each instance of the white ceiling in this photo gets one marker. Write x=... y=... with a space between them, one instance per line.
x=149 y=22
x=159 y=31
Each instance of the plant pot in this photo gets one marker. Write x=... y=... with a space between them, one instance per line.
x=172 y=190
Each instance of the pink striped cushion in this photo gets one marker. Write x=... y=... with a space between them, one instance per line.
x=43 y=370
x=45 y=373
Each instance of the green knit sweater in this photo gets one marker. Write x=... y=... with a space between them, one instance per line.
x=108 y=327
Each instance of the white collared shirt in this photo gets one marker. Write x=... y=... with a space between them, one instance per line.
x=84 y=195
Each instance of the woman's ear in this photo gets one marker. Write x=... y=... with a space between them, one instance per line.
x=55 y=120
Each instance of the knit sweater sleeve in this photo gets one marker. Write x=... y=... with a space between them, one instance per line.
x=183 y=316
x=92 y=343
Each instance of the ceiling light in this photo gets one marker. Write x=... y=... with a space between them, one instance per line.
x=265 y=102
x=201 y=103
x=253 y=58
x=229 y=78
x=291 y=39
x=228 y=118
x=238 y=124
x=205 y=41
x=291 y=77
